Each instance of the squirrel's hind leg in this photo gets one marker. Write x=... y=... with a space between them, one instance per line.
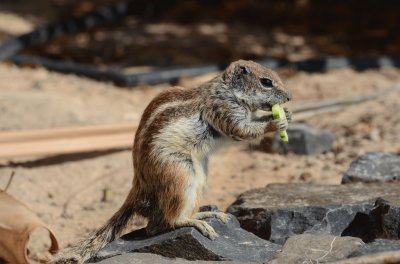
x=220 y=215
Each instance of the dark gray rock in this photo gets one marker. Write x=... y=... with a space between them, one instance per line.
x=377 y=246
x=233 y=243
x=381 y=221
x=307 y=248
x=305 y=140
x=209 y=208
x=391 y=220
x=374 y=167
x=279 y=211
x=146 y=258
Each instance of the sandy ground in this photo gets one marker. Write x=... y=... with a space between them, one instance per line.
x=67 y=192
x=68 y=195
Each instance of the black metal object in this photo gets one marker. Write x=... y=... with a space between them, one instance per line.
x=157 y=76
x=72 y=25
x=172 y=74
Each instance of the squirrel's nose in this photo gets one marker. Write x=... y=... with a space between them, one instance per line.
x=288 y=96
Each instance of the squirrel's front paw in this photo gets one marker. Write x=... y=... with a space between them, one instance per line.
x=276 y=125
x=73 y=259
x=288 y=115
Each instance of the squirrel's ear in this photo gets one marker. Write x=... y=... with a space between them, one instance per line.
x=235 y=71
x=243 y=70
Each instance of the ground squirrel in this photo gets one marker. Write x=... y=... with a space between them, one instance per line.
x=178 y=131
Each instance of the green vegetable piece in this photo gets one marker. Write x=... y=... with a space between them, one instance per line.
x=279 y=113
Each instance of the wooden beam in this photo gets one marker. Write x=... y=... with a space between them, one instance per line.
x=66 y=132
x=66 y=145
x=352 y=100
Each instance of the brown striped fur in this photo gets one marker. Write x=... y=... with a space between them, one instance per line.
x=179 y=129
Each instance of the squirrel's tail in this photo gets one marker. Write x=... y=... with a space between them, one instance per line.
x=105 y=234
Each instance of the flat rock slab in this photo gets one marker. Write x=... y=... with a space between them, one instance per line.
x=307 y=248
x=146 y=258
x=374 y=167
x=377 y=246
x=279 y=211
x=390 y=257
x=305 y=140
x=233 y=243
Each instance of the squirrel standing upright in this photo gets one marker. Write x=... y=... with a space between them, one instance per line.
x=178 y=131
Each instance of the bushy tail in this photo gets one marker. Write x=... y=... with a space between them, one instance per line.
x=105 y=234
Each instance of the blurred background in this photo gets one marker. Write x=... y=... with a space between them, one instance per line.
x=75 y=192
x=160 y=33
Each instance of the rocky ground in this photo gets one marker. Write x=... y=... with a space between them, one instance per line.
x=299 y=223
x=68 y=195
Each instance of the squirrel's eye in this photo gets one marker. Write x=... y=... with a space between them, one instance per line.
x=266 y=82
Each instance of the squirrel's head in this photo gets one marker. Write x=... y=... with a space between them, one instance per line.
x=254 y=85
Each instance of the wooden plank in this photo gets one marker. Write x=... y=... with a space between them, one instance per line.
x=303 y=116
x=66 y=132
x=352 y=100
x=66 y=145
